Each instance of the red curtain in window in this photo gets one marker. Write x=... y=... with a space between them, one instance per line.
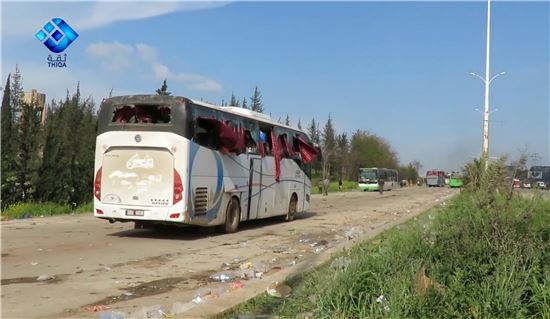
x=230 y=139
x=307 y=151
x=286 y=145
x=277 y=154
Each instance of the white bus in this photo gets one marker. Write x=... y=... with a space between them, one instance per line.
x=368 y=178
x=171 y=160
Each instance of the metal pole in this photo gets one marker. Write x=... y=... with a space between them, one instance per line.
x=487 y=82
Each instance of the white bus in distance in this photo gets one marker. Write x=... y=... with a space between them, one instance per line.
x=171 y=160
x=368 y=178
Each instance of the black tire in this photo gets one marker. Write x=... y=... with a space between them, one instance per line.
x=232 y=216
x=292 y=208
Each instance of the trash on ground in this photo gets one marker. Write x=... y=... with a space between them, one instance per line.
x=279 y=290
x=319 y=249
x=45 y=278
x=155 y=314
x=319 y=243
x=384 y=302
x=197 y=300
x=111 y=315
x=34 y=263
x=96 y=308
x=340 y=263
x=222 y=276
x=423 y=283
x=246 y=265
x=353 y=232
x=236 y=285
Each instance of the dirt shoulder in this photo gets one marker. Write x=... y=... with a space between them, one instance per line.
x=99 y=266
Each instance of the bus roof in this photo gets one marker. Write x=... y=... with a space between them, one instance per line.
x=156 y=98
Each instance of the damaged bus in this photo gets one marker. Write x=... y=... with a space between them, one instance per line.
x=171 y=160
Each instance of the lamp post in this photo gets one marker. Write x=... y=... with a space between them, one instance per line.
x=487 y=82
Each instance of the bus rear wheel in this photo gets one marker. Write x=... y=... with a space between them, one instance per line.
x=232 y=216
x=292 y=208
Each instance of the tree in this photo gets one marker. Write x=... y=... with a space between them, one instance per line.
x=369 y=150
x=233 y=101
x=313 y=131
x=244 y=103
x=299 y=124
x=342 y=155
x=287 y=120
x=163 y=89
x=8 y=146
x=328 y=147
x=256 y=101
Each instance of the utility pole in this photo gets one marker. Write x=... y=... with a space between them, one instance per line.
x=487 y=81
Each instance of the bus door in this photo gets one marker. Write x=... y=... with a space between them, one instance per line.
x=254 y=187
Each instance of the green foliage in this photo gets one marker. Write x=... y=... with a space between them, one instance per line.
x=482 y=262
x=36 y=209
x=369 y=150
x=256 y=101
x=333 y=186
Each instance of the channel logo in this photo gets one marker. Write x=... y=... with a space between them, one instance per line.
x=57 y=35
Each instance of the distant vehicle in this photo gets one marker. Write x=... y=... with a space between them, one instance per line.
x=540 y=185
x=526 y=185
x=435 y=178
x=175 y=161
x=516 y=183
x=539 y=173
x=456 y=180
x=368 y=178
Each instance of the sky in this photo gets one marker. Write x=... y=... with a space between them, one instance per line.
x=399 y=70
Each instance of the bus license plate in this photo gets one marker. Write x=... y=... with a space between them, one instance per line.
x=134 y=212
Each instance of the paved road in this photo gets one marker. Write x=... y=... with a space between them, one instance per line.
x=95 y=263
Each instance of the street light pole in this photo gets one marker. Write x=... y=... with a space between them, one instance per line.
x=485 y=153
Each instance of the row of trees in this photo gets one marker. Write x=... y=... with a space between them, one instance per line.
x=343 y=156
x=50 y=161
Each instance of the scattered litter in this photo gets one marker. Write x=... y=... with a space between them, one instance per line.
x=279 y=290
x=340 y=263
x=45 y=278
x=197 y=300
x=275 y=269
x=34 y=263
x=319 y=249
x=319 y=243
x=111 y=315
x=96 y=308
x=223 y=276
x=384 y=302
x=352 y=233
x=423 y=283
x=236 y=285
x=155 y=314
x=304 y=241
x=128 y=294
x=246 y=265
x=107 y=268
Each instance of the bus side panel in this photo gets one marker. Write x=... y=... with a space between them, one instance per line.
x=268 y=187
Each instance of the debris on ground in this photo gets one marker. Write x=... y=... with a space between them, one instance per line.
x=45 y=278
x=96 y=308
x=236 y=285
x=222 y=276
x=423 y=283
x=319 y=243
x=279 y=290
x=111 y=315
x=353 y=232
x=384 y=302
x=340 y=263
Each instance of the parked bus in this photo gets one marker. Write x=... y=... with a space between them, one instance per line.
x=435 y=178
x=171 y=160
x=456 y=180
x=368 y=178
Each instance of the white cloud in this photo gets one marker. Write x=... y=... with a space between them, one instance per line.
x=113 y=56
x=24 y=18
x=117 y=56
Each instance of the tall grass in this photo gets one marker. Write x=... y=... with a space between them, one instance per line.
x=34 y=209
x=486 y=254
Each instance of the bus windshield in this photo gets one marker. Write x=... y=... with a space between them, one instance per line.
x=369 y=174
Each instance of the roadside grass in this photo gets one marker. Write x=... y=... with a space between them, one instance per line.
x=333 y=186
x=34 y=209
x=458 y=261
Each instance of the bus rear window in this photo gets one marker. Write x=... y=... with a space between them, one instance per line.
x=142 y=114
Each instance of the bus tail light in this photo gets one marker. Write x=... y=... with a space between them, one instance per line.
x=178 y=188
x=99 y=211
x=176 y=215
x=97 y=184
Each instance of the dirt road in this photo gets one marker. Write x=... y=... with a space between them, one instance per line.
x=96 y=265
